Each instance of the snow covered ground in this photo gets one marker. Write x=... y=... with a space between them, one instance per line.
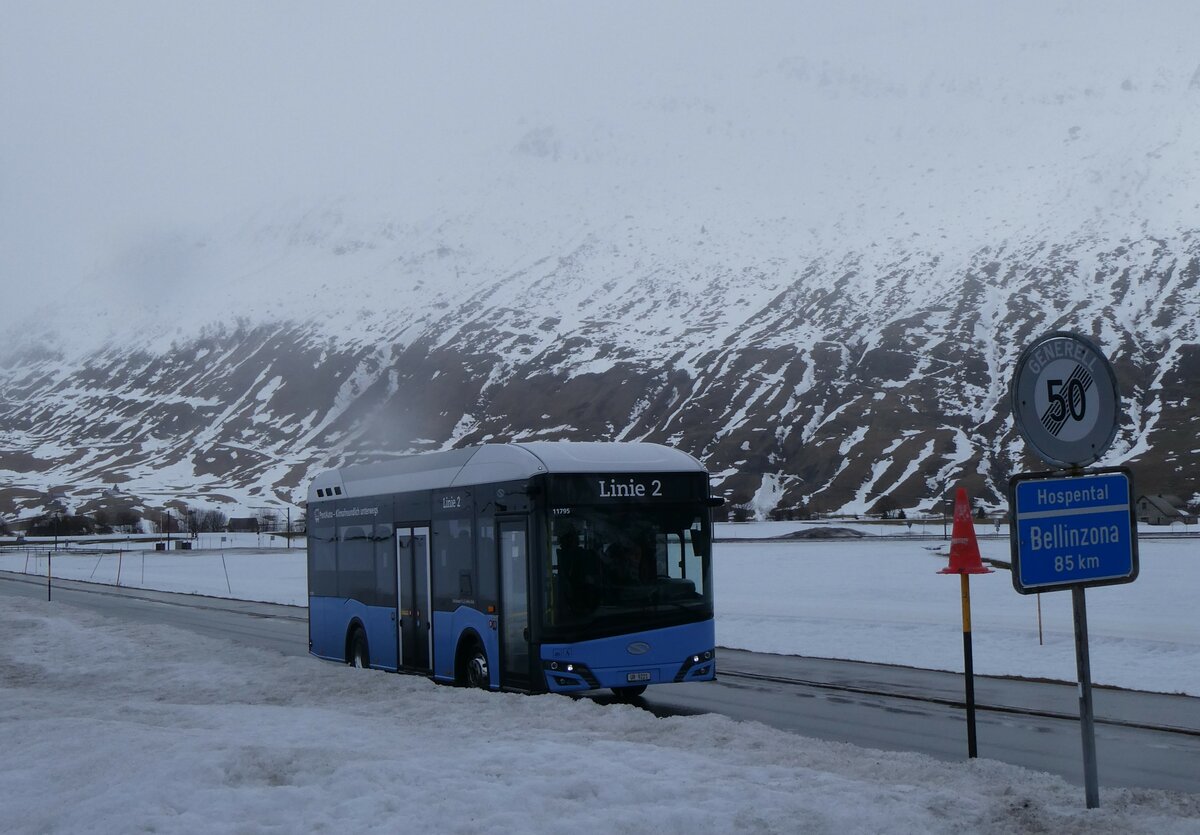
x=884 y=601
x=274 y=575
x=869 y=599
x=119 y=727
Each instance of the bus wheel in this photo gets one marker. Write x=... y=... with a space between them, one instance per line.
x=359 y=656
x=477 y=668
x=628 y=694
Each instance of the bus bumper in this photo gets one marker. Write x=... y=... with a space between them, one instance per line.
x=680 y=653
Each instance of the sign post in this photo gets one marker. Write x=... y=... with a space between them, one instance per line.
x=1087 y=722
x=1074 y=529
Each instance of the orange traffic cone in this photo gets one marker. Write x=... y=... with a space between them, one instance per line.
x=964 y=548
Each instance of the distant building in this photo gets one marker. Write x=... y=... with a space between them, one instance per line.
x=1163 y=510
x=243 y=524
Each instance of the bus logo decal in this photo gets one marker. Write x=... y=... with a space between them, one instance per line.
x=638 y=648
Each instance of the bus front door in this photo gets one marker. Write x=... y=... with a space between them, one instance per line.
x=415 y=639
x=514 y=603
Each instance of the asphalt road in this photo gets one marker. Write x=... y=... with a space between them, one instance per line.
x=1142 y=739
x=1031 y=724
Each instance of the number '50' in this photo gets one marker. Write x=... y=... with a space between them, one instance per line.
x=1075 y=401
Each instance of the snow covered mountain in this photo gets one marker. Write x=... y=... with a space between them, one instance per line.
x=828 y=384
x=812 y=267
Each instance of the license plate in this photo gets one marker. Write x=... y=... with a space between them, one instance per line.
x=638 y=677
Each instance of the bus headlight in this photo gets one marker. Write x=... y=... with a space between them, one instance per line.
x=690 y=663
x=580 y=672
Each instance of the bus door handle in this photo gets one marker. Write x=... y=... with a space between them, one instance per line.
x=525 y=633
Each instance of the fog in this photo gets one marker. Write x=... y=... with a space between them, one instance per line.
x=130 y=130
x=126 y=116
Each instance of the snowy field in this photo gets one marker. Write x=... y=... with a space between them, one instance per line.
x=883 y=601
x=869 y=599
x=111 y=726
x=273 y=575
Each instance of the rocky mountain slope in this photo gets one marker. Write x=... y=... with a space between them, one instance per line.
x=813 y=385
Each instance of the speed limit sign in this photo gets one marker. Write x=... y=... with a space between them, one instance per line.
x=1065 y=399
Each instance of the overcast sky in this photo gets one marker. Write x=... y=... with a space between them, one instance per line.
x=123 y=120
x=120 y=117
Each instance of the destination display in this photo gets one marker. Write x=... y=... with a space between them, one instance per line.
x=632 y=487
x=1073 y=530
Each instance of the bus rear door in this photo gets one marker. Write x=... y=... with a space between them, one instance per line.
x=415 y=638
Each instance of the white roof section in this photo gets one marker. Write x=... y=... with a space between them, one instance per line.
x=497 y=462
x=617 y=457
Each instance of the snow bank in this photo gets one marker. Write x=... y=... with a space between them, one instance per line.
x=119 y=727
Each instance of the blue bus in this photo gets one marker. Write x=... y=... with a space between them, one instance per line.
x=537 y=567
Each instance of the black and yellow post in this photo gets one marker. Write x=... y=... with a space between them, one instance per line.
x=965 y=561
x=968 y=664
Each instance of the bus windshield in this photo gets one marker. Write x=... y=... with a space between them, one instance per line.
x=615 y=569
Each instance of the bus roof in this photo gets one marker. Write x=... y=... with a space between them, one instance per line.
x=490 y=463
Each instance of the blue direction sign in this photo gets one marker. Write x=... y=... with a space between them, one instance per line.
x=1073 y=531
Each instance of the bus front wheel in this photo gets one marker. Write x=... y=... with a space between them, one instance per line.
x=476 y=668
x=359 y=655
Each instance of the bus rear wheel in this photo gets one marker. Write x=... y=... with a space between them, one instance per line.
x=359 y=654
x=628 y=694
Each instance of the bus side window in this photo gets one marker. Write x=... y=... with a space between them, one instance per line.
x=322 y=556
x=455 y=553
x=385 y=566
x=485 y=562
x=356 y=564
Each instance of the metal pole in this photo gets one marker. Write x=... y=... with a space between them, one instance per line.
x=1087 y=724
x=1039 y=601
x=968 y=664
x=48 y=573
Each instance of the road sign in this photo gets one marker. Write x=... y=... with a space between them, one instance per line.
x=1065 y=399
x=1073 y=531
